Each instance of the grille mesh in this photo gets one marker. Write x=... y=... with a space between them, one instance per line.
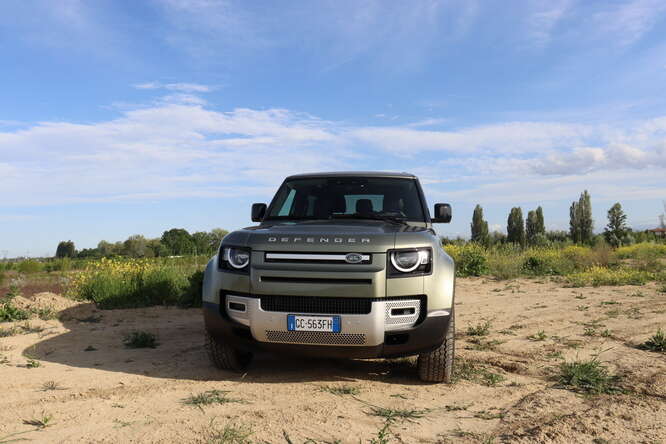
x=315 y=337
x=416 y=303
x=316 y=304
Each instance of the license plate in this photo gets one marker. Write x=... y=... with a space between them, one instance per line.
x=313 y=323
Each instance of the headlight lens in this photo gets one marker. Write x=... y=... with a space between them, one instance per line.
x=407 y=261
x=236 y=257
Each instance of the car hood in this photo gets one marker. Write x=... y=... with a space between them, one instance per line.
x=320 y=236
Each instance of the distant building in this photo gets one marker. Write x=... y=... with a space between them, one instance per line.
x=658 y=231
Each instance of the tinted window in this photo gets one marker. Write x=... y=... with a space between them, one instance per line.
x=324 y=198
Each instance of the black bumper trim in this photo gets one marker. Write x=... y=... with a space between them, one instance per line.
x=424 y=337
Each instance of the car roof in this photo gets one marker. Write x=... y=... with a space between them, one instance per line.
x=354 y=174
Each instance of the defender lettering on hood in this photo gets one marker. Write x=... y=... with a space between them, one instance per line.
x=319 y=240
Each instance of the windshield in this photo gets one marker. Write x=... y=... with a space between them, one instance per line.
x=348 y=197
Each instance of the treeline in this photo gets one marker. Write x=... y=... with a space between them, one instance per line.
x=531 y=231
x=174 y=242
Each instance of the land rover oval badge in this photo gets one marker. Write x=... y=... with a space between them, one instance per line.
x=353 y=258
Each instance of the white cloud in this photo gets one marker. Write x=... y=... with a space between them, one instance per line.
x=180 y=87
x=629 y=21
x=543 y=19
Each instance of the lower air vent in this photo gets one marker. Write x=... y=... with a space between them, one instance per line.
x=315 y=337
x=316 y=304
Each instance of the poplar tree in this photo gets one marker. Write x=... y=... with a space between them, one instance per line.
x=581 y=225
x=479 y=226
x=515 y=227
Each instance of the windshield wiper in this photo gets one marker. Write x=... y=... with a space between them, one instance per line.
x=384 y=217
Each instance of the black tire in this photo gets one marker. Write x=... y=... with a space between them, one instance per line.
x=224 y=356
x=437 y=365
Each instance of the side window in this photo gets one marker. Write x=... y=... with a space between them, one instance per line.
x=288 y=204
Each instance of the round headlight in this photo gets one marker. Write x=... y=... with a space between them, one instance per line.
x=237 y=258
x=406 y=261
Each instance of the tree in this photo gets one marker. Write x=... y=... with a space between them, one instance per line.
x=581 y=224
x=178 y=241
x=515 y=227
x=617 y=229
x=65 y=249
x=479 y=226
x=155 y=248
x=135 y=246
x=541 y=226
x=205 y=243
x=531 y=227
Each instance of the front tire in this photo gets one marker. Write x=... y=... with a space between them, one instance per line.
x=437 y=365
x=225 y=357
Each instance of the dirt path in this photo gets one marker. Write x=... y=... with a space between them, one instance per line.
x=113 y=394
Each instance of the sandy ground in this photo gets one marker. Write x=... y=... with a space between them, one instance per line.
x=113 y=394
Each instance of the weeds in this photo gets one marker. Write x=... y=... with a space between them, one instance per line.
x=392 y=414
x=32 y=363
x=481 y=345
x=656 y=343
x=140 y=339
x=340 y=390
x=470 y=371
x=538 y=336
x=52 y=385
x=590 y=376
x=210 y=397
x=10 y=313
x=40 y=423
x=479 y=329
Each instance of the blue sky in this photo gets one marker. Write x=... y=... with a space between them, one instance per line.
x=120 y=117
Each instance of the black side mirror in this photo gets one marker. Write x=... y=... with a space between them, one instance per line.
x=258 y=212
x=442 y=213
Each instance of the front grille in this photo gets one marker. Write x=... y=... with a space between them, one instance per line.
x=315 y=337
x=316 y=304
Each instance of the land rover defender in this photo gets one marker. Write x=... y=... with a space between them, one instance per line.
x=340 y=265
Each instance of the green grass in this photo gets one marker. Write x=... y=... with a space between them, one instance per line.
x=229 y=434
x=590 y=376
x=33 y=363
x=340 y=390
x=210 y=397
x=140 y=339
x=657 y=343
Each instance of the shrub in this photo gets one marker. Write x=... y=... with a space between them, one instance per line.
x=597 y=276
x=470 y=259
x=2 y=277
x=193 y=293
x=30 y=266
x=140 y=339
x=9 y=313
x=113 y=283
x=504 y=267
x=588 y=376
x=633 y=251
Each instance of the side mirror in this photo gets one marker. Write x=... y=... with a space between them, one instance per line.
x=258 y=212
x=442 y=213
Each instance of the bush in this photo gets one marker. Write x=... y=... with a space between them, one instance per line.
x=597 y=276
x=2 y=278
x=193 y=293
x=9 y=313
x=140 y=339
x=113 y=283
x=644 y=248
x=504 y=267
x=470 y=259
x=30 y=266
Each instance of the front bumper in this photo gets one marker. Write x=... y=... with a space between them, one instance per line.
x=372 y=335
